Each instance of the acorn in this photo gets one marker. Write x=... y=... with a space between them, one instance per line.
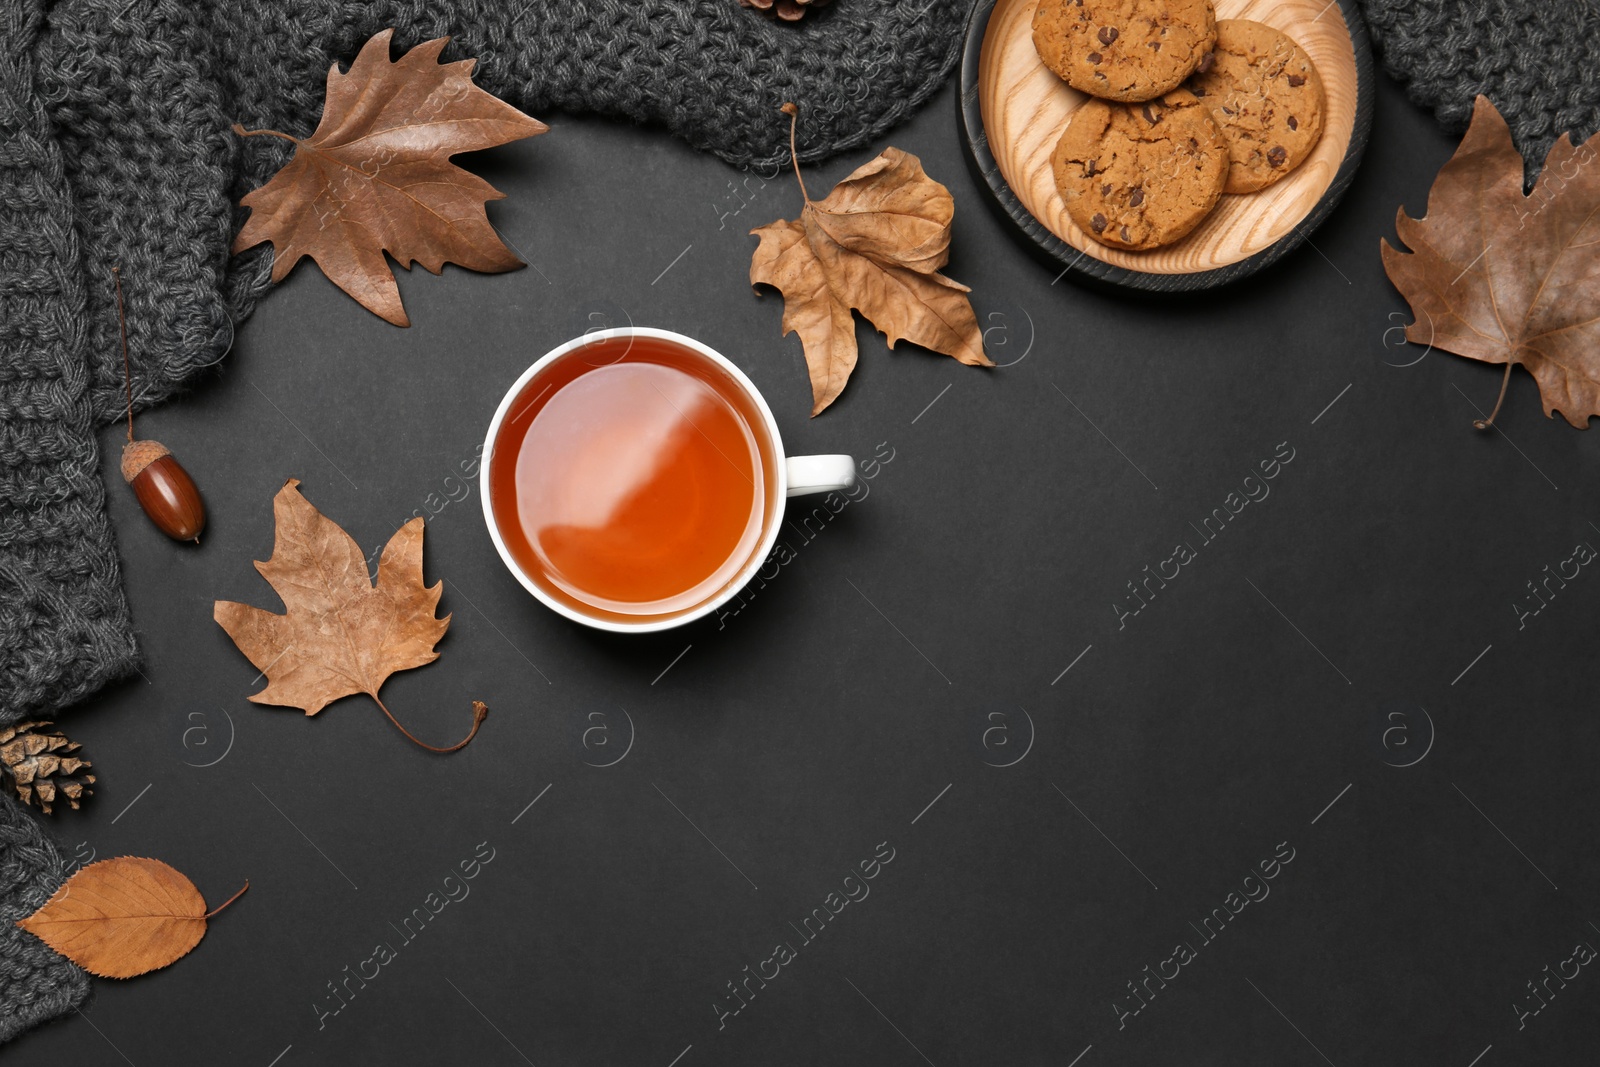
x=165 y=491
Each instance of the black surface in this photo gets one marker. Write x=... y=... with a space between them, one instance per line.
x=855 y=689
x=1043 y=243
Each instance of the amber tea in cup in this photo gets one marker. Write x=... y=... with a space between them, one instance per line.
x=633 y=477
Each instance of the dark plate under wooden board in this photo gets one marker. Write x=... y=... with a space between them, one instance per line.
x=1013 y=109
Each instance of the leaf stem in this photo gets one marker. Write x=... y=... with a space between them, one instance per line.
x=1484 y=424
x=480 y=711
x=793 y=111
x=230 y=900
x=127 y=371
x=242 y=132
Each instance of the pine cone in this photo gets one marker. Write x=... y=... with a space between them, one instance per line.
x=788 y=10
x=37 y=764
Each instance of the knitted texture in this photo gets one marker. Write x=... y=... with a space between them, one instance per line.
x=64 y=629
x=63 y=625
x=36 y=984
x=1532 y=58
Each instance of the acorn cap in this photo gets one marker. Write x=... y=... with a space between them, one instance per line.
x=137 y=455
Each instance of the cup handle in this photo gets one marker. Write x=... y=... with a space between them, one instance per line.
x=820 y=474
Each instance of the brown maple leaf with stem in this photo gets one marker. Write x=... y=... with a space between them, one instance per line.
x=875 y=245
x=376 y=176
x=341 y=634
x=1506 y=277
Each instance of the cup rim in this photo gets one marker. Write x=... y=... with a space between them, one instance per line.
x=648 y=624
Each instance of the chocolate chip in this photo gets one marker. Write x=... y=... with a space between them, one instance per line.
x=1295 y=81
x=1207 y=61
x=1089 y=171
x=1276 y=155
x=1098 y=223
x=1095 y=57
x=1125 y=236
x=1107 y=34
x=1105 y=190
x=1156 y=45
x=1150 y=116
x=1136 y=198
x=1293 y=125
x=1197 y=91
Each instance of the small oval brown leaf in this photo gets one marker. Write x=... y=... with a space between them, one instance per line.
x=122 y=917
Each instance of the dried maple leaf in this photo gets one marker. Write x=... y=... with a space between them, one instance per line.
x=1504 y=277
x=875 y=245
x=376 y=176
x=123 y=916
x=341 y=634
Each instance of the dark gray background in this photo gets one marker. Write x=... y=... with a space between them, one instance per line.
x=778 y=751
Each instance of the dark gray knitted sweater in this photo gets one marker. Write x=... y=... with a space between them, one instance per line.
x=1535 y=59
x=35 y=983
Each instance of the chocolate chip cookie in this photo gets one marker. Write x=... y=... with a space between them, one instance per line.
x=1266 y=96
x=1141 y=175
x=1128 y=50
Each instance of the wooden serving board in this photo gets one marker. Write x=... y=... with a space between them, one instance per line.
x=1014 y=109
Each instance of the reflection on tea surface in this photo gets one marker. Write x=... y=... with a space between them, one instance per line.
x=639 y=489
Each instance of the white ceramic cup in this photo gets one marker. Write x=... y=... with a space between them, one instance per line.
x=796 y=476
